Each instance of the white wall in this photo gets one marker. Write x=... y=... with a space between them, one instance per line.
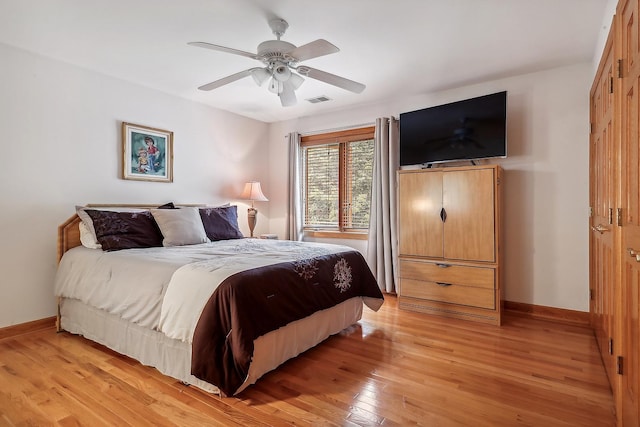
x=610 y=11
x=61 y=147
x=60 y=141
x=546 y=179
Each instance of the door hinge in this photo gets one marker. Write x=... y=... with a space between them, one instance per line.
x=619 y=365
x=590 y=211
x=611 y=85
x=610 y=215
x=590 y=294
x=611 y=346
x=619 y=217
x=619 y=68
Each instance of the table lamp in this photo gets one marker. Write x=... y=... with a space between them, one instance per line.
x=253 y=192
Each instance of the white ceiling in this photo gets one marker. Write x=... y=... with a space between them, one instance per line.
x=396 y=48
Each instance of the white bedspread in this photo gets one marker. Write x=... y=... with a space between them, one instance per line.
x=149 y=286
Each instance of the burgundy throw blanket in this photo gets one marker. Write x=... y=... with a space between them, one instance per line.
x=251 y=303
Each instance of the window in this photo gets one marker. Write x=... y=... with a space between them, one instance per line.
x=337 y=173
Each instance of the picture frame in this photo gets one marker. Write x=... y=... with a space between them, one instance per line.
x=147 y=153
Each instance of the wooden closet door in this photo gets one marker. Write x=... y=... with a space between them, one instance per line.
x=469 y=228
x=420 y=226
x=630 y=162
x=602 y=193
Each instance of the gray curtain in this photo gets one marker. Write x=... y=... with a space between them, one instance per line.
x=294 y=209
x=382 y=246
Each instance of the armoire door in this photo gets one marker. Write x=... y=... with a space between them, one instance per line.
x=469 y=226
x=630 y=163
x=602 y=195
x=420 y=196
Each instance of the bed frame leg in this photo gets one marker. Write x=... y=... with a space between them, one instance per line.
x=58 y=324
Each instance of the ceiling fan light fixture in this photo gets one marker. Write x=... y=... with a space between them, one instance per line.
x=296 y=80
x=281 y=72
x=260 y=75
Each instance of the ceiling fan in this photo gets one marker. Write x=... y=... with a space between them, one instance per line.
x=281 y=65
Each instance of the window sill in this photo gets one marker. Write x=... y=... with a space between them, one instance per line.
x=337 y=234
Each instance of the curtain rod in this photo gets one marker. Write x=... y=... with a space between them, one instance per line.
x=362 y=125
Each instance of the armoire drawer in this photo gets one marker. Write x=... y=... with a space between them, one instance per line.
x=451 y=274
x=449 y=293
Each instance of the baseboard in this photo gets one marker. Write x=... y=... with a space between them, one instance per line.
x=25 y=328
x=561 y=315
x=516 y=308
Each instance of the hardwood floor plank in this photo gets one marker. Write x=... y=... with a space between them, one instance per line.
x=171 y=397
x=393 y=368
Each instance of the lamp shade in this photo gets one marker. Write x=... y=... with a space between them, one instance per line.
x=253 y=192
x=260 y=75
x=296 y=80
x=281 y=72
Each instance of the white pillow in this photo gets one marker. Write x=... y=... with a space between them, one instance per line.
x=180 y=226
x=87 y=238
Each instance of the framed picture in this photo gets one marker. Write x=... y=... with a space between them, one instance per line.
x=147 y=153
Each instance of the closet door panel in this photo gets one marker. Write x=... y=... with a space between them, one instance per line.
x=630 y=302
x=631 y=339
x=602 y=193
x=630 y=227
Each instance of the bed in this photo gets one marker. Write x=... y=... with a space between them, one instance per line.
x=191 y=297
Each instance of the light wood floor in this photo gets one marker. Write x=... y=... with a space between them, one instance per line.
x=394 y=368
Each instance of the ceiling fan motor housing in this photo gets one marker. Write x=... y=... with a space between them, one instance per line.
x=273 y=50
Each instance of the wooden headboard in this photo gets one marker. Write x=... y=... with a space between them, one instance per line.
x=69 y=233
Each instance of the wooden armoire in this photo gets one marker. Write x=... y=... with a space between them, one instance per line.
x=448 y=239
x=614 y=248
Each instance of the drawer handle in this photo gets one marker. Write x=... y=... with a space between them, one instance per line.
x=444 y=285
x=443 y=265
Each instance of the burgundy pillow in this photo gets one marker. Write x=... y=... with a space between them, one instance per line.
x=169 y=205
x=221 y=223
x=125 y=230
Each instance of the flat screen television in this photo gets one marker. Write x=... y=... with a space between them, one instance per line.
x=471 y=129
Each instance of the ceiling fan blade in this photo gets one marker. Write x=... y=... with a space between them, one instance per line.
x=314 y=49
x=332 y=79
x=224 y=49
x=288 y=95
x=227 y=80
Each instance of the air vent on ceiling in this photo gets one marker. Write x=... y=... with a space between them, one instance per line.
x=319 y=99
